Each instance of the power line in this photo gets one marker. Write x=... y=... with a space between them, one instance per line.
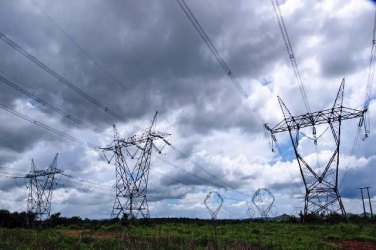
x=367 y=99
x=88 y=182
x=70 y=38
x=290 y=52
x=61 y=79
x=178 y=181
x=202 y=168
x=96 y=147
x=217 y=183
x=82 y=50
x=87 y=189
x=81 y=189
x=51 y=129
x=371 y=72
x=8 y=175
x=187 y=11
x=226 y=68
x=53 y=108
x=196 y=176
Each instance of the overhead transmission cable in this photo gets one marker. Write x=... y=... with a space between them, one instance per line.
x=290 y=52
x=61 y=79
x=371 y=72
x=194 y=22
x=196 y=176
x=82 y=50
x=79 y=187
x=79 y=91
x=230 y=74
x=216 y=183
x=9 y=173
x=294 y=65
x=51 y=129
x=53 y=108
x=187 y=11
x=367 y=99
x=88 y=182
x=86 y=188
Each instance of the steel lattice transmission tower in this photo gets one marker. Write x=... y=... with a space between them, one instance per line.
x=40 y=185
x=132 y=164
x=321 y=187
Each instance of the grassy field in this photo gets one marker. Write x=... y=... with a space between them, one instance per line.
x=246 y=235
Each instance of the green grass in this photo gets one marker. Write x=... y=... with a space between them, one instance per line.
x=258 y=235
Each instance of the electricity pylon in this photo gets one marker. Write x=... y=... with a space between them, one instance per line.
x=132 y=166
x=40 y=185
x=322 y=195
x=263 y=200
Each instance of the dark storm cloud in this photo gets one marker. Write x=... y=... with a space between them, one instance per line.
x=18 y=135
x=163 y=192
x=357 y=177
x=76 y=199
x=7 y=183
x=205 y=173
x=344 y=38
x=154 y=52
x=187 y=179
x=157 y=61
x=345 y=41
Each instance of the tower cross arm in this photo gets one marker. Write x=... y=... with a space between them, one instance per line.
x=316 y=118
x=38 y=173
x=134 y=140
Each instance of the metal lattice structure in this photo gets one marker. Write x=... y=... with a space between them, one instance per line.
x=251 y=212
x=132 y=165
x=369 y=201
x=40 y=185
x=321 y=188
x=263 y=200
x=213 y=202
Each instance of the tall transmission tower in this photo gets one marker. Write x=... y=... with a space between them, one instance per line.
x=263 y=200
x=321 y=187
x=40 y=185
x=132 y=165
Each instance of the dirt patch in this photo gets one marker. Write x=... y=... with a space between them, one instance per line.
x=355 y=244
x=95 y=235
x=105 y=235
x=73 y=232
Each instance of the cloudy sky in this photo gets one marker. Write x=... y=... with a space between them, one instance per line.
x=136 y=57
